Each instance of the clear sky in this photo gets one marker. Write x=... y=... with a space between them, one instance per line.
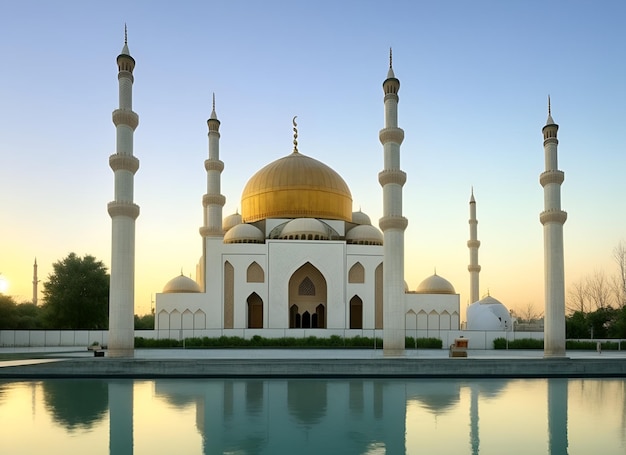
x=475 y=77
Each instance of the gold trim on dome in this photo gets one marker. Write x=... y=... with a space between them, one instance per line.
x=296 y=186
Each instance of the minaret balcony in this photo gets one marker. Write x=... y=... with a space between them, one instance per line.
x=395 y=135
x=394 y=176
x=552 y=176
x=121 y=162
x=553 y=216
x=213 y=199
x=123 y=208
x=125 y=117
x=393 y=222
x=214 y=165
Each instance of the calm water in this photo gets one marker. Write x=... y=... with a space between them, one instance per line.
x=542 y=416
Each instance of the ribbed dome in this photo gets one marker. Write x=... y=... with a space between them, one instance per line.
x=364 y=235
x=304 y=229
x=231 y=221
x=244 y=233
x=296 y=186
x=435 y=285
x=181 y=284
x=360 y=218
x=488 y=314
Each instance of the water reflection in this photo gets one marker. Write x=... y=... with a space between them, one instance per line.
x=354 y=416
x=79 y=403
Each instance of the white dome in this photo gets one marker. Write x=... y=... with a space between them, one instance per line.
x=304 y=229
x=231 y=221
x=360 y=218
x=181 y=283
x=488 y=314
x=364 y=234
x=244 y=233
x=435 y=284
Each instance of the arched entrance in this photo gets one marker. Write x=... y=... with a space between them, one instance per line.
x=307 y=298
x=255 y=311
x=356 y=312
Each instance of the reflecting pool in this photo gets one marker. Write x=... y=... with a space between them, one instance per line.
x=307 y=416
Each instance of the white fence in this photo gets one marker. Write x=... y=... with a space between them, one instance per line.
x=67 y=338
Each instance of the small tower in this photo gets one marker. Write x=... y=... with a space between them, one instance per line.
x=552 y=219
x=35 y=283
x=393 y=224
x=213 y=201
x=473 y=244
x=123 y=214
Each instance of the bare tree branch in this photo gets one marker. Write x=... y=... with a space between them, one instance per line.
x=619 y=255
x=577 y=297
x=599 y=290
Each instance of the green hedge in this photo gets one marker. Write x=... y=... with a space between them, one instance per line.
x=529 y=343
x=521 y=343
x=335 y=341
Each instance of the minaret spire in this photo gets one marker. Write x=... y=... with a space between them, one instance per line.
x=473 y=244
x=393 y=224
x=552 y=219
x=35 y=283
x=123 y=214
x=213 y=201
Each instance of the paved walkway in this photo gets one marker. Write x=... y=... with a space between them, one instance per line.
x=41 y=355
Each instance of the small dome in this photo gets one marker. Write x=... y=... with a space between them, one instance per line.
x=435 y=285
x=488 y=314
x=360 y=218
x=244 y=233
x=406 y=287
x=364 y=234
x=231 y=221
x=180 y=284
x=304 y=229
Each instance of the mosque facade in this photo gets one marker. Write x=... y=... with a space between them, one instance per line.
x=298 y=257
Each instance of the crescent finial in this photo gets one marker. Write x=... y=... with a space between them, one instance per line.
x=295 y=134
x=549 y=107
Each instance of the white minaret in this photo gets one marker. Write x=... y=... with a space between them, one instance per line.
x=123 y=214
x=553 y=219
x=35 y=283
x=393 y=224
x=473 y=244
x=213 y=201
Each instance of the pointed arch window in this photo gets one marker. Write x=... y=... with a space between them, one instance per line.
x=306 y=287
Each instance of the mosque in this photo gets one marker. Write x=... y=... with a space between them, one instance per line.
x=298 y=257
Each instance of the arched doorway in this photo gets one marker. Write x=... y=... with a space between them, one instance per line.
x=356 y=312
x=255 y=311
x=307 y=298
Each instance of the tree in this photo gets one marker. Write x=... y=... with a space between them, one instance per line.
x=599 y=290
x=619 y=255
x=577 y=299
x=76 y=294
x=8 y=312
x=528 y=314
x=145 y=322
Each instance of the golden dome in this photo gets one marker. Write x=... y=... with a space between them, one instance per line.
x=296 y=186
x=181 y=284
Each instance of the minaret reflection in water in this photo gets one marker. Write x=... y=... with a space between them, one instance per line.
x=353 y=416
